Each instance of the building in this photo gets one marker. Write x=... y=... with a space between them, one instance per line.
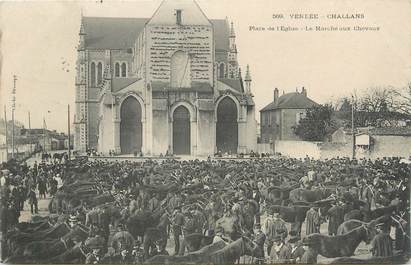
x=278 y=118
x=44 y=138
x=169 y=82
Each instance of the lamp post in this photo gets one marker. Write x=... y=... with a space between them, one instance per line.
x=353 y=127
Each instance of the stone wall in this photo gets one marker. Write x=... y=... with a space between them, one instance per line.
x=164 y=41
x=288 y=120
x=383 y=146
x=298 y=149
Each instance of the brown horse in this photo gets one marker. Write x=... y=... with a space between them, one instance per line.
x=229 y=226
x=301 y=194
x=197 y=257
x=194 y=242
x=233 y=251
x=352 y=224
x=340 y=245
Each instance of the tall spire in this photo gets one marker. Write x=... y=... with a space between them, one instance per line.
x=232 y=33
x=82 y=33
x=247 y=74
x=248 y=80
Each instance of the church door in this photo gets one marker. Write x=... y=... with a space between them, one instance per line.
x=227 y=127
x=181 y=131
x=131 y=129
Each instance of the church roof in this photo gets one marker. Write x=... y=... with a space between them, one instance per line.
x=191 y=13
x=121 y=33
x=233 y=83
x=112 y=32
x=120 y=83
x=293 y=100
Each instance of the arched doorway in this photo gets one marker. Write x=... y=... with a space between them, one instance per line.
x=181 y=131
x=227 y=127
x=131 y=129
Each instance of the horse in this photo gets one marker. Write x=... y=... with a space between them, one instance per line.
x=55 y=247
x=292 y=214
x=340 y=245
x=301 y=194
x=354 y=214
x=200 y=256
x=351 y=224
x=194 y=242
x=229 y=226
x=233 y=251
x=76 y=255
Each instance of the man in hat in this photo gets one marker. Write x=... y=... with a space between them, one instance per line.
x=381 y=245
x=336 y=217
x=297 y=250
x=312 y=221
x=177 y=224
x=123 y=257
x=259 y=240
x=274 y=226
x=73 y=220
x=94 y=257
x=280 y=251
x=33 y=201
x=122 y=238
x=154 y=203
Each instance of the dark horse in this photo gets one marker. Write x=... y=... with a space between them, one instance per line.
x=341 y=245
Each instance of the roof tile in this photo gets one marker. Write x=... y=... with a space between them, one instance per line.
x=292 y=100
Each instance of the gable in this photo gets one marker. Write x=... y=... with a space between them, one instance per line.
x=191 y=13
x=121 y=33
x=112 y=32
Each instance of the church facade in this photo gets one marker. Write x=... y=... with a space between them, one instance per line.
x=171 y=82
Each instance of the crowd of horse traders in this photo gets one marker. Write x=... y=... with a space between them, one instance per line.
x=213 y=210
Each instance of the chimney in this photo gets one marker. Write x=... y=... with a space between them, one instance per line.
x=275 y=95
x=304 y=92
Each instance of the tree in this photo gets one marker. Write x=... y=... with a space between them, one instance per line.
x=403 y=99
x=317 y=123
x=377 y=106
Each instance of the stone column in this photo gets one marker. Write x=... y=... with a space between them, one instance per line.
x=242 y=137
x=116 y=136
x=193 y=137
x=143 y=131
x=242 y=130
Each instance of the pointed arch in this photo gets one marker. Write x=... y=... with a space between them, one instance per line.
x=93 y=74
x=181 y=131
x=227 y=111
x=117 y=70
x=99 y=73
x=123 y=70
x=131 y=129
x=221 y=71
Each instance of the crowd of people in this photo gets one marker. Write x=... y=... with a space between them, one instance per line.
x=219 y=199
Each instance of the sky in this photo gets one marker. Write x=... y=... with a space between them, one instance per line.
x=39 y=40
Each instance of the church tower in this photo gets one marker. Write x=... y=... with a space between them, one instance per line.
x=247 y=81
x=80 y=122
x=232 y=55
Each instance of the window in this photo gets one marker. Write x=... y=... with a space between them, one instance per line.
x=117 y=70
x=93 y=74
x=299 y=116
x=123 y=70
x=178 y=16
x=99 y=73
x=180 y=70
x=222 y=70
